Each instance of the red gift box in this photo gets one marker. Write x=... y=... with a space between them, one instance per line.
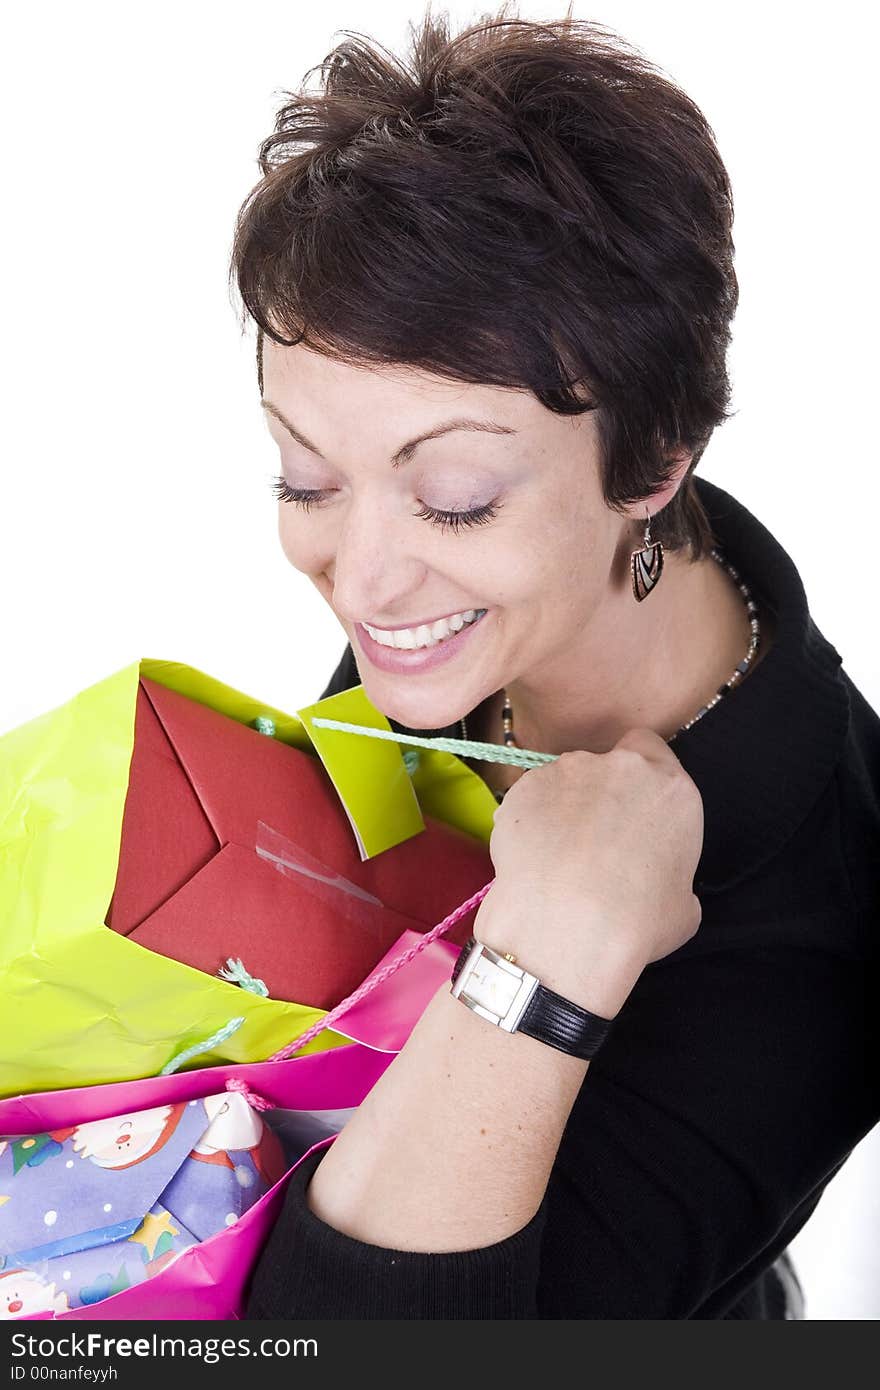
x=237 y=845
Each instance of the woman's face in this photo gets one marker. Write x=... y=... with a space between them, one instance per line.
x=536 y=553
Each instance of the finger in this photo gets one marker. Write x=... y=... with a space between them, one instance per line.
x=649 y=744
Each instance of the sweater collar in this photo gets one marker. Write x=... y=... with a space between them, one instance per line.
x=763 y=755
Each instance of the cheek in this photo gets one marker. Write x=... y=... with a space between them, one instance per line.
x=564 y=567
x=307 y=546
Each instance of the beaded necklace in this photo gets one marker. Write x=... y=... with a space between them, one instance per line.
x=725 y=689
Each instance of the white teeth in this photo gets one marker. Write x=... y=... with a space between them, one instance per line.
x=427 y=634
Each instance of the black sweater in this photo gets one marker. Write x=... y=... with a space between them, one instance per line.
x=742 y=1069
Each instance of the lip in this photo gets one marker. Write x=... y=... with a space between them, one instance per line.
x=423 y=622
x=400 y=662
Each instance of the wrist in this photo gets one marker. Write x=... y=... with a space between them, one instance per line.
x=593 y=964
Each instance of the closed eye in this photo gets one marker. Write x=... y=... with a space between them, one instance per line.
x=304 y=497
x=454 y=521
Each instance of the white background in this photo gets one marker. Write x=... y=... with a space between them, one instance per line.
x=135 y=511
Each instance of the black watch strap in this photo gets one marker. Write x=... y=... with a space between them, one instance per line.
x=552 y=1019
x=558 y=1022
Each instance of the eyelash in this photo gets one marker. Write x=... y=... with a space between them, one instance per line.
x=455 y=521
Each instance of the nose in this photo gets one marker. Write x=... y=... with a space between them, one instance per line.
x=375 y=572
x=16 y=1305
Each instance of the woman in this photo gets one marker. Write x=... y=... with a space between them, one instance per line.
x=494 y=292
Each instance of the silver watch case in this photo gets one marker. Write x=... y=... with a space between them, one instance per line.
x=495 y=988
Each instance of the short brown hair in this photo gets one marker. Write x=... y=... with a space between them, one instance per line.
x=524 y=204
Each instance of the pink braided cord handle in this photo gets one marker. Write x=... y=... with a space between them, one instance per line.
x=255 y=1101
x=375 y=980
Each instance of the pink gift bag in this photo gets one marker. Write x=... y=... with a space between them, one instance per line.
x=305 y=1099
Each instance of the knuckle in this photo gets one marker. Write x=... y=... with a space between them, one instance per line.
x=625 y=755
x=643 y=740
x=574 y=758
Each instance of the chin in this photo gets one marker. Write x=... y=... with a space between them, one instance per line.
x=414 y=714
x=420 y=719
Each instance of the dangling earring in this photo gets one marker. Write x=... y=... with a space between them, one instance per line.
x=646 y=564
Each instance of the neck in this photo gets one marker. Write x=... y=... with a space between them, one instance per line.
x=651 y=665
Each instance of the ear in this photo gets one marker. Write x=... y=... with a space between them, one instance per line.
x=658 y=500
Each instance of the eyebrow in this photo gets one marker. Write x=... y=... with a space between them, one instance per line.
x=406 y=451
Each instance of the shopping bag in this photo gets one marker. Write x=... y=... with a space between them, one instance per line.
x=153 y=1198
x=98 y=1207
x=239 y=846
x=85 y=1001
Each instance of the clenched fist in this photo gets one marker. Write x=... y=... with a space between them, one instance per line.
x=595 y=856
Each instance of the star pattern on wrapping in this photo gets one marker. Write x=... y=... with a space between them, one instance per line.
x=150 y=1231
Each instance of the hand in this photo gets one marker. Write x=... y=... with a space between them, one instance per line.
x=595 y=856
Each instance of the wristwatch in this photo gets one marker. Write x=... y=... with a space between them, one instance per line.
x=501 y=992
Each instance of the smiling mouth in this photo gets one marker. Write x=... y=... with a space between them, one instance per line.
x=425 y=634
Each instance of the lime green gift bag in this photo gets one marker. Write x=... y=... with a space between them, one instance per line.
x=84 y=1004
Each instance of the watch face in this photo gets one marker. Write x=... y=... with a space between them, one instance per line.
x=492 y=987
